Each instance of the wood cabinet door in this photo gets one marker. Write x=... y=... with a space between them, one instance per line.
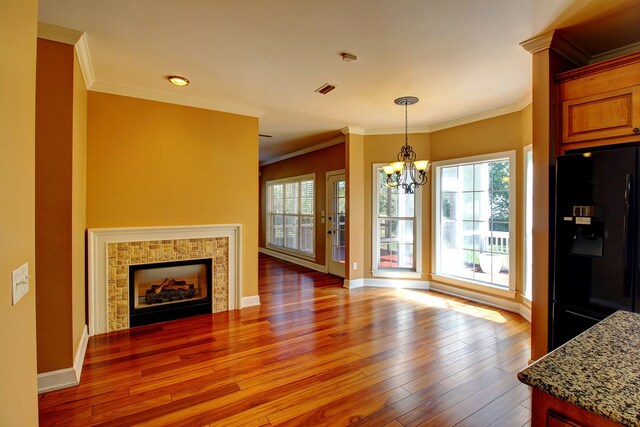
x=609 y=114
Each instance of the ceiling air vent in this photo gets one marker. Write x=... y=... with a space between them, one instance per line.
x=325 y=88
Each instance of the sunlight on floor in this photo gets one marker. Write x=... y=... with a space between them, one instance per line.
x=432 y=300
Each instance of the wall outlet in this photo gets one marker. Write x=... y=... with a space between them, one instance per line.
x=20 y=282
x=355 y=265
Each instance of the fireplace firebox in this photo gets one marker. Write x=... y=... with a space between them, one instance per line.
x=169 y=290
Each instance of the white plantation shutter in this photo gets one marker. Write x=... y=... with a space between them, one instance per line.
x=290 y=210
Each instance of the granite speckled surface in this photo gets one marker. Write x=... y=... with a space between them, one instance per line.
x=599 y=370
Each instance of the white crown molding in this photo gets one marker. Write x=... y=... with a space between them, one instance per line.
x=559 y=43
x=352 y=129
x=58 y=34
x=538 y=43
x=169 y=98
x=397 y=131
x=621 y=51
x=84 y=58
x=508 y=109
x=570 y=50
x=518 y=106
x=316 y=147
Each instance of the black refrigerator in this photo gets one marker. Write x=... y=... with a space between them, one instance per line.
x=596 y=239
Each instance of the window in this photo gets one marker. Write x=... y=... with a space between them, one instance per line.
x=474 y=219
x=290 y=214
x=528 y=224
x=396 y=230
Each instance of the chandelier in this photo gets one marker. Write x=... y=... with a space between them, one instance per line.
x=407 y=172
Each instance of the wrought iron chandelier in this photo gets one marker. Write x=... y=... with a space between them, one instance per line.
x=407 y=173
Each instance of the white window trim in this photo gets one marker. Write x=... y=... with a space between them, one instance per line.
x=283 y=249
x=528 y=149
x=398 y=273
x=435 y=225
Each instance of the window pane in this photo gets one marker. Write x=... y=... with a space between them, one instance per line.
x=465 y=177
x=306 y=200
x=467 y=205
x=342 y=188
x=480 y=177
x=291 y=232
x=287 y=203
x=291 y=198
x=306 y=234
x=396 y=223
x=499 y=175
x=474 y=222
x=277 y=231
x=277 y=201
x=449 y=179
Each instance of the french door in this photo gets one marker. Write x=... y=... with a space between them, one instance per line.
x=336 y=221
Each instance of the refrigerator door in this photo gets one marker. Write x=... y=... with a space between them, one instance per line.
x=595 y=230
x=569 y=323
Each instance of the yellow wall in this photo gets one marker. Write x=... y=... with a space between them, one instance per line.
x=502 y=133
x=384 y=149
x=18 y=392
x=153 y=164
x=319 y=162
x=356 y=234
x=54 y=136
x=78 y=203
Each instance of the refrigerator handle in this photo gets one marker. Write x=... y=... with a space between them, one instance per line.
x=627 y=224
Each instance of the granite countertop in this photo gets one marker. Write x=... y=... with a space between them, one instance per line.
x=599 y=370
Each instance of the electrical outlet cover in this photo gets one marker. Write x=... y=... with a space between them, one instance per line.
x=20 y=282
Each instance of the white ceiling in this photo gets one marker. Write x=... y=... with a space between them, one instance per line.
x=266 y=57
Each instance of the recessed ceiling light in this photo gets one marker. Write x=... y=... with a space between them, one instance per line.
x=178 y=80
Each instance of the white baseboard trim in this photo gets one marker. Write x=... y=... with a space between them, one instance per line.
x=489 y=300
x=397 y=283
x=525 y=312
x=294 y=260
x=353 y=284
x=68 y=377
x=250 y=301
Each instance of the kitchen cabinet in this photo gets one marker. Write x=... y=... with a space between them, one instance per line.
x=550 y=411
x=592 y=380
x=600 y=104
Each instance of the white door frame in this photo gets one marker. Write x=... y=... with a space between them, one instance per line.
x=328 y=222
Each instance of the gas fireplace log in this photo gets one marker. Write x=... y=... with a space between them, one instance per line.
x=169 y=290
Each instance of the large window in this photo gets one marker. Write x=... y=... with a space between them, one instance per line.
x=396 y=229
x=474 y=208
x=290 y=218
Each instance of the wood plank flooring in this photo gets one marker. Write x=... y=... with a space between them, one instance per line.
x=312 y=354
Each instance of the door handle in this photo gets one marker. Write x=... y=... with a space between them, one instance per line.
x=329 y=232
x=583 y=315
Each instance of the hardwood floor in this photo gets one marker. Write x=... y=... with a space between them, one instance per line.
x=312 y=354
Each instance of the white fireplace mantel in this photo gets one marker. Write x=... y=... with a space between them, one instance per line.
x=99 y=238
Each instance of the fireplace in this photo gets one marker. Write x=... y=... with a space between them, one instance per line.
x=169 y=290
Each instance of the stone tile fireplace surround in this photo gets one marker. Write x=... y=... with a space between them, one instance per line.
x=112 y=250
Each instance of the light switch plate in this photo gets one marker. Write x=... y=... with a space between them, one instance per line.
x=20 y=282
